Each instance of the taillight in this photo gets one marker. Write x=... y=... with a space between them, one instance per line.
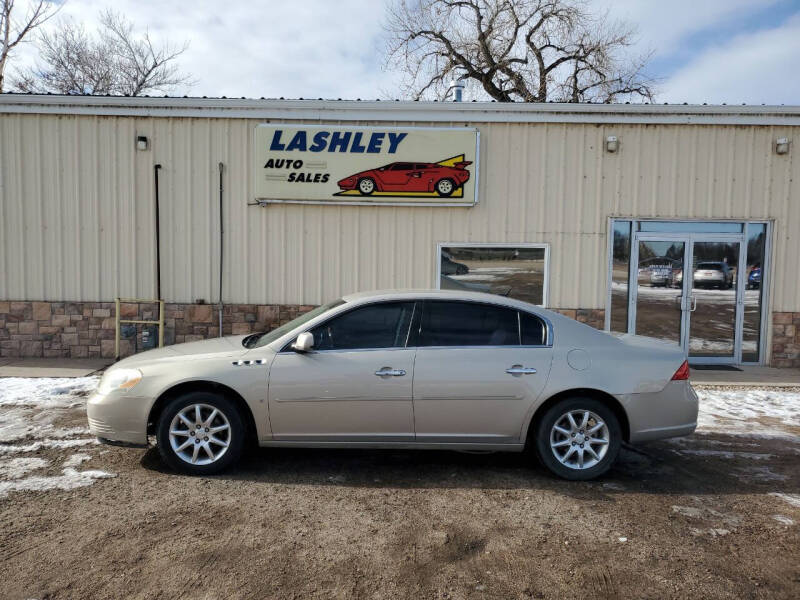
x=682 y=373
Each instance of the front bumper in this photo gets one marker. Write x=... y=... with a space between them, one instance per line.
x=672 y=412
x=118 y=418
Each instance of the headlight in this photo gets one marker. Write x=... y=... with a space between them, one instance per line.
x=119 y=379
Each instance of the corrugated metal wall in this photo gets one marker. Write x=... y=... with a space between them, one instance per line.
x=76 y=202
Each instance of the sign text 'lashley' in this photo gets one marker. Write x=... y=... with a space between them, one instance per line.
x=337 y=141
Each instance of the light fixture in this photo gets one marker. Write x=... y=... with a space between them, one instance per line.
x=141 y=142
x=782 y=145
x=612 y=143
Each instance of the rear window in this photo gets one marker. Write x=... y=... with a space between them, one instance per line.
x=533 y=329
x=710 y=266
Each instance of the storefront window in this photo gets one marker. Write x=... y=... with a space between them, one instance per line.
x=751 y=334
x=620 y=266
x=519 y=272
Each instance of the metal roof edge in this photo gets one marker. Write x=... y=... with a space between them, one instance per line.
x=356 y=110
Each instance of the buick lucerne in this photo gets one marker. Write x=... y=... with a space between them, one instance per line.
x=452 y=370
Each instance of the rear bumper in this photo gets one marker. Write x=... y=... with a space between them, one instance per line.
x=672 y=412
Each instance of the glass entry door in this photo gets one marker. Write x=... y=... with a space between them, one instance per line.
x=659 y=304
x=715 y=297
x=688 y=289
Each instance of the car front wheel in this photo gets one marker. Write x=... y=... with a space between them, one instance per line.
x=200 y=433
x=578 y=438
x=366 y=186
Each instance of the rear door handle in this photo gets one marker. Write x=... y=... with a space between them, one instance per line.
x=390 y=372
x=520 y=370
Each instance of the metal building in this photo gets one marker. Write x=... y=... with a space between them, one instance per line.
x=680 y=222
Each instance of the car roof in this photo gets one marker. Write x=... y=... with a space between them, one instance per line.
x=430 y=294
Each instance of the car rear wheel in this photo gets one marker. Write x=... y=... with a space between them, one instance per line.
x=366 y=185
x=445 y=187
x=200 y=433
x=578 y=438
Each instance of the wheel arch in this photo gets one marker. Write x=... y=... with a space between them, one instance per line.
x=604 y=397
x=203 y=386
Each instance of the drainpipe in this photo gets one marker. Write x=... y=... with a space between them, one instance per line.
x=221 y=245
x=156 y=169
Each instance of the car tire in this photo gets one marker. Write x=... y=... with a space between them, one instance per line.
x=445 y=187
x=553 y=457
x=216 y=412
x=366 y=185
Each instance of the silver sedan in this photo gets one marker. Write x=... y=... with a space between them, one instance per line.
x=403 y=369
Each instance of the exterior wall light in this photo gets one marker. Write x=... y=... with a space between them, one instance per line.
x=612 y=143
x=782 y=146
x=141 y=142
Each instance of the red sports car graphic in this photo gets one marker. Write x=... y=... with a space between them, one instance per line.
x=410 y=179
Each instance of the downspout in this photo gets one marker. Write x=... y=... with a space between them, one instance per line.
x=156 y=169
x=221 y=245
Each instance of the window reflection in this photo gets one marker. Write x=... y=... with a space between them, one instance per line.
x=516 y=272
x=619 y=276
x=690 y=227
x=753 y=294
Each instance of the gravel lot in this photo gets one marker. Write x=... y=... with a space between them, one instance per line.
x=716 y=515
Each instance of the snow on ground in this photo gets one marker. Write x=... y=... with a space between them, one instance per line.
x=29 y=412
x=753 y=412
x=68 y=480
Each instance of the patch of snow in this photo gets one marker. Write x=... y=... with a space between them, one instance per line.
x=760 y=474
x=46 y=392
x=18 y=423
x=727 y=454
x=38 y=445
x=623 y=539
x=743 y=411
x=76 y=459
x=783 y=520
x=69 y=479
x=793 y=499
x=14 y=468
x=688 y=511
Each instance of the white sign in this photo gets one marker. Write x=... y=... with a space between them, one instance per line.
x=366 y=165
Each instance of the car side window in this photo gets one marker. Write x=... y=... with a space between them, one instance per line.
x=402 y=166
x=447 y=323
x=380 y=325
x=533 y=330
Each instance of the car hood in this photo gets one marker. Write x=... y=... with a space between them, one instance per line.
x=225 y=346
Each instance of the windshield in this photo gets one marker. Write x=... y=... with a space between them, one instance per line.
x=262 y=339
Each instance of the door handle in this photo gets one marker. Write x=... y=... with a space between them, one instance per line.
x=390 y=372
x=694 y=303
x=520 y=370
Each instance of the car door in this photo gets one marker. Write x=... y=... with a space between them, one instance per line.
x=355 y=384
x=396 y=177
x=479 y=368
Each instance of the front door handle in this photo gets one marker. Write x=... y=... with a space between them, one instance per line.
x=390 y=372
x=520 y=370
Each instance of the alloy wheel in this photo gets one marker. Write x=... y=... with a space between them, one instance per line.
x=200 y=434
x=579 y=439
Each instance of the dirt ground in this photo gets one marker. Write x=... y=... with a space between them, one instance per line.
x=702 y=517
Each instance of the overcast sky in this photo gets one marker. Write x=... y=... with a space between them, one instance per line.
x=711 y=51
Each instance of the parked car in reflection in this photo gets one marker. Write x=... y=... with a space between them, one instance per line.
x=451 y=267
x=656 y=274
x=713 y=274
x=450 y=370
x=754 y=278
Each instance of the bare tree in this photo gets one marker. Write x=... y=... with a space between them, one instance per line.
x=514 y=50
x=13 y=31
x=112 y=62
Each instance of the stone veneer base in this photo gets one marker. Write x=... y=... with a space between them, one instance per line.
x=86 y=329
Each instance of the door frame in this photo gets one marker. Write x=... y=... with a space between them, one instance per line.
x=689 y=240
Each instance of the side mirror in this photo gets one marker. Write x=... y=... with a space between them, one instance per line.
x=303 y=343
